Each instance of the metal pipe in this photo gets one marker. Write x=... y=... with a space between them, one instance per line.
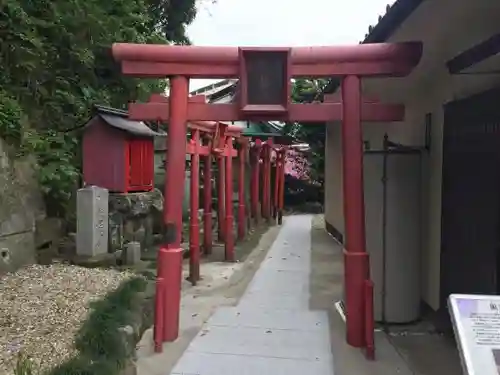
x=384 y=224
x=369 y=321
x=281 y=195
x=159 y=313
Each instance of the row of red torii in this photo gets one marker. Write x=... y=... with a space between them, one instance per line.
x=265 y=94
x=211 y=139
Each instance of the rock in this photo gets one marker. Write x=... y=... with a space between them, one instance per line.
x=21 y=205
x=129 y=368
x=48 y=230
x=132 y=253
x=136 y=204
x=102 y=260
x=92 y=221
x=135 y=217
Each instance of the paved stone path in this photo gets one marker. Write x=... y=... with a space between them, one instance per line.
x=272 y=330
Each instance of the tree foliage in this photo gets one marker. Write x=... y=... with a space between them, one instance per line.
x=308 y=91
x=297 y=165
x=56 y=64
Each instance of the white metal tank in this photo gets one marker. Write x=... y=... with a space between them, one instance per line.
x=393 y=221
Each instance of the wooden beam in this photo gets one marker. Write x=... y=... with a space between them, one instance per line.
x=145 y=69
x=316 y=112
x=377 y=59
x=204 y=126
x=474 y=55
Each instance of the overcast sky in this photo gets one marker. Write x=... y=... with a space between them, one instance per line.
x=283 y=23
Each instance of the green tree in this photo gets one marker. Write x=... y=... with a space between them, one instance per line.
x=56 y=64
x=308 y=91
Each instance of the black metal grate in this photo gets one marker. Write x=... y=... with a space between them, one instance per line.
x=470 y=227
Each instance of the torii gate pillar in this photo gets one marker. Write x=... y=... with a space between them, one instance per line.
x=356 y=260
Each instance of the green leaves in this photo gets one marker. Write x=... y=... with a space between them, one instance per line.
x=56 y=64
x=307 y=91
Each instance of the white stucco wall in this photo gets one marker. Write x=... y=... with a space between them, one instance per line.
x=333 y=177
x=425 y=91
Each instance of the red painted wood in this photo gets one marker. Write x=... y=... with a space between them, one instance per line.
x=350 y=62
x=141 y=174
x=221 y=162
x=194 y=225
x=170 y=270
x=228 y=229
x=254 y=193
x=377 y=59
x=258 y=183
x=263 y=183
x=159 y=69
x=176 y=158
x=205 y=150
x=369 y=321
x=173 y=194
x=356 y=257
x=103 y=154
x=317 y=112
x=252 y=109
x=126 y=165
x=135 y=173
x=207 y=204
x=277 y=182
x=267 y=181
x=406 y=51
x=241 y=191
x=202 y=125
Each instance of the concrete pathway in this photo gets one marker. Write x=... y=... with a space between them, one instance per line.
x=271 y=331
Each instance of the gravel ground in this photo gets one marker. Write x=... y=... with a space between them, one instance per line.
x=42 y=308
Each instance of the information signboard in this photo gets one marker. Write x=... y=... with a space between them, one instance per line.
x=476 y=321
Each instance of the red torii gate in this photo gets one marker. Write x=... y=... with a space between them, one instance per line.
x=196 y=149
x=220 y=145
x=265 y=75
x=270 y=207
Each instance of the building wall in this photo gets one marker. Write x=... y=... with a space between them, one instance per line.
x=333 y=178
x=108 y=172
x=428 y=98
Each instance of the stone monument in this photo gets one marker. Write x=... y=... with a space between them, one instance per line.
x=92 y=221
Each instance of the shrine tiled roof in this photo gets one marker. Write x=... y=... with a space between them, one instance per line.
x=118 y=119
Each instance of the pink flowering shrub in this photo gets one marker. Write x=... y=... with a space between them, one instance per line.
x=297 y=165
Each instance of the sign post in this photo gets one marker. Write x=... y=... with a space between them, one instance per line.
x=476 y=321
